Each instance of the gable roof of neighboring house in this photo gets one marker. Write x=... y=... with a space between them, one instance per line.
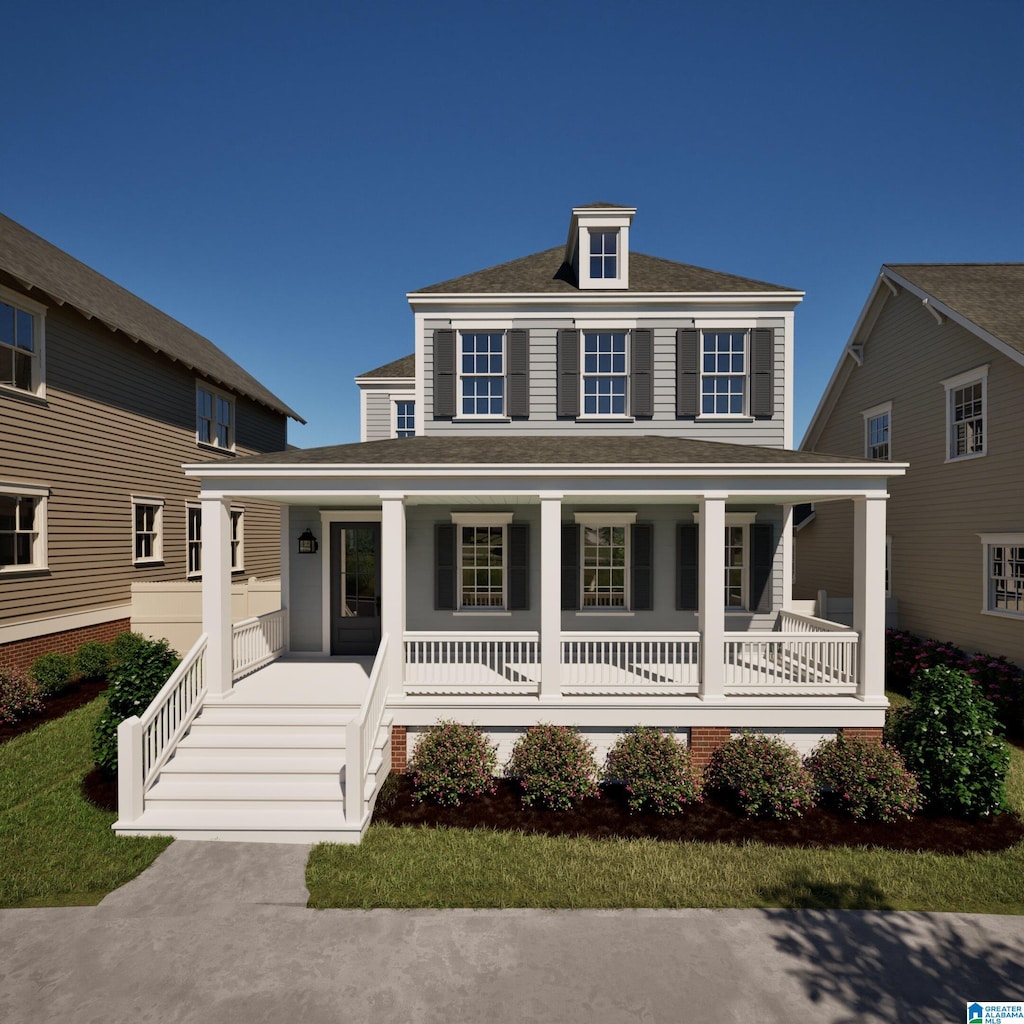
x=548 y=272
x=986 y=299
x=36 y=263
x=398 y=368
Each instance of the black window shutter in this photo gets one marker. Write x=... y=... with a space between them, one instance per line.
x=518 y=567
x=687 y=372
x=762 y=372
x=444 y=374
x=762 y=555
x=444 y=566
x=518 y=343
x=641 y=382
x=687 y=561
x=642 y=571
x=568 y=372
x=570 y=566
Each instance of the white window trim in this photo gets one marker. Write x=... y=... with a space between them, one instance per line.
x=482 y=519
x=604 y=417
x=202 y=385
x=950 y=384
x=396 y=397
x=491 y=417
x=38 y=311
x=996 y=540
x=743 y=519
x=598 y=519
x=190 y=507
x=40 y=552
x=158 y=529
x=724 y=328
x=885 y=409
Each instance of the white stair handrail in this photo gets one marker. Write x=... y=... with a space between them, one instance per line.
x=359 y=736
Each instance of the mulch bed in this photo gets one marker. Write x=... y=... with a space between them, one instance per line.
x=608 y=817
x=73 y=697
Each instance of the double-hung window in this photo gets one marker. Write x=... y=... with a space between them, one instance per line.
x=605 y=560
x=482 y=551
x=215 y=418
x=724 y=372
x=482 y=374
x=22 y=530
x=966 y=398
x=194 y=540
x=605 y=373
x=147 y=529
x=21 y=343
x=877 y=432
x=1004 y=573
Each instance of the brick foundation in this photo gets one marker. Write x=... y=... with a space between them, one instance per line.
x=399 y=754
x=17 y=657
x=872 y=735
x=705 y=740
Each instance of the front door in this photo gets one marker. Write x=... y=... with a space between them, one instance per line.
x=355 y=588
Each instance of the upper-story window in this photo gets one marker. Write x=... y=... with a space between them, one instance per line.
x=22 y=530
x=215 y=417
x=966 y=398
x=404 y=418
x=605 y=373
x=724 y=371
x=482 y=374
x=148 y=518
x=604 y=254
x=877 y=432
x=21 y=343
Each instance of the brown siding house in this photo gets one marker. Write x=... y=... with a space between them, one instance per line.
x=933 y=375
x=102 y=399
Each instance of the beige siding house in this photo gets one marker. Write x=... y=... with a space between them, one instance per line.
x=102 y=399
x=933 y=375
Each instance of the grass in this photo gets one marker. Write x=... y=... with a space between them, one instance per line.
x=406 y=867
x=57 y=849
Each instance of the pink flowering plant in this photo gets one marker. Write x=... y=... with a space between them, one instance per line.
x=655 y=770
x=20 y=698
x=554 y=766
x=867 y=781
x=451 y=762
x=761 y=777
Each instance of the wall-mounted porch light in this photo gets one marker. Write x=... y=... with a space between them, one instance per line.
x=307 y=542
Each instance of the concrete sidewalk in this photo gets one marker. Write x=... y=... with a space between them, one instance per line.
x=218 y=933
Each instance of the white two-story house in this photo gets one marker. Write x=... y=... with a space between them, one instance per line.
x=572 y=504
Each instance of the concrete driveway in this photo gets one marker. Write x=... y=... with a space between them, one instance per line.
x=219 y=933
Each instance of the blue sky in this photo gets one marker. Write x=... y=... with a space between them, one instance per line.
x=278 y=177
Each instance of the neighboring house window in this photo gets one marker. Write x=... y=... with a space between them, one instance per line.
x=21 y=343
x=22 y=526
x=877 y=433
x=966 y=398
x=195 y=540
x=605 y=372
x=405 y=418
x=482 y=374
x=148 y=514
x=1004 y=573
x=215 y=418
x=723 y=382
x=604 y=254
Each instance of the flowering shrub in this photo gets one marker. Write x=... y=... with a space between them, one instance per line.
x=555 y=767
x=134 y=681
x=761 y=777
x=866 y=780
x=19 y=698
x=51 y=673
x=92 y=659
x=452 y=761
x=949 y=739
x=656 y=771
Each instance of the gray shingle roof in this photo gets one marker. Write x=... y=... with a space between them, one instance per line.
x=990 y=295
x=404 y=367
x=555 y=450
x=548 y=272
x=34 y=261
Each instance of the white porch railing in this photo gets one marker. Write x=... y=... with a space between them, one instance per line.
x=144 y=743
x=630 y=663
x=257 y=642
x=484 y=663
x=359 y=739
x=796 y=622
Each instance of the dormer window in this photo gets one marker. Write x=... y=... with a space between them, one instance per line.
x=597 y=248
x=604 y=254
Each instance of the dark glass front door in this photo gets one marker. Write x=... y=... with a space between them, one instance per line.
x=355 y=588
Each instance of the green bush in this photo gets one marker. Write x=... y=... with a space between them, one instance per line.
x=125 y=644
x=52 y=673
x=452 y=761
x=760 y=777
x=19 y=698
x=92 y=659
x=950 y=739
x=865 y=780
x=655 y=770
x=134 y=681
x=555 y=767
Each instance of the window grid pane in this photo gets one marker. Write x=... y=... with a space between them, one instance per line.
x=483 y=374
x=604 y=373
x=17 y=536
x=236 y=540
x=734 y=566
x=604 y=254
x=483 y=564
x=878 y=437
x=405 y=419
x=968 y=420
x=1006 y=578
x=146 y=532
x=604 y=567
x=195 y=538
x=724 y=373
x=17 y=347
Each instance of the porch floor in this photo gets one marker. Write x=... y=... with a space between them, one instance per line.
x=306 y=681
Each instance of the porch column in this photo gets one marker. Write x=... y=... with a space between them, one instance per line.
x=392 y=585
x=711 y=595
x=869 y=593
x=216 y=560
x=551 y=595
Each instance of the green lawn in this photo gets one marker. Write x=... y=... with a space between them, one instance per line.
x=406 y=867
x=56 y=849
